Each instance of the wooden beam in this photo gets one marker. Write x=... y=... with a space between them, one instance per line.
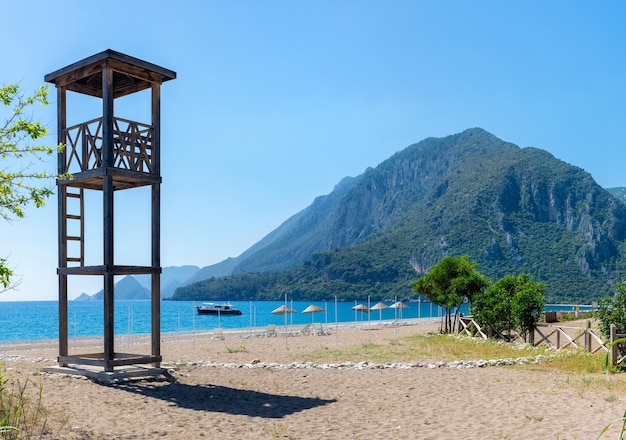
x=102 y=269
x=122 y=179
x=101 y=360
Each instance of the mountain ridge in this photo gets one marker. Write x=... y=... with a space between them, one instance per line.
x=469 y=193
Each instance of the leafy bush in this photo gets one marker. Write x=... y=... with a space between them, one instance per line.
x=612 y=310
x=492 y=308
x=512 y=302
x=527 y=305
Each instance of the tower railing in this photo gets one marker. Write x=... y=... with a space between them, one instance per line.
x=132 y=146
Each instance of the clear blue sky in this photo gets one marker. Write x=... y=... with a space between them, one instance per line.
x=277 y=101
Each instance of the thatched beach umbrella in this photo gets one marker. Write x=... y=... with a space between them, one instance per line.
x=313 y=309
x=399 y=305
x=361 y=308
x=380 y=306
x=284 y=310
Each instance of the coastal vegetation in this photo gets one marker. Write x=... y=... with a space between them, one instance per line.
x=449 y=283
x=511 y=302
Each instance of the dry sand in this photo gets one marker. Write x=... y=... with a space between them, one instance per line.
x=310 y=403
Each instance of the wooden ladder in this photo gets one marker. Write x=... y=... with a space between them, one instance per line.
x=78 y=232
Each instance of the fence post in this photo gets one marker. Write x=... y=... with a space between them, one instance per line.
x=558 y=338
x=613 y=347
x=588 y=336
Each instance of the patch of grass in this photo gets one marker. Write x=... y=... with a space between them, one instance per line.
x=241 y=349
x=533 y=418
x=238 y=382
x=427 y=348
x=574 y=361
x=583 y=371
x=22 y=415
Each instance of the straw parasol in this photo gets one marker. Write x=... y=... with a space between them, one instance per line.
x=283 y=310
x=399 y=305
x=361 y=308
x=313 y=309
x=380 y=306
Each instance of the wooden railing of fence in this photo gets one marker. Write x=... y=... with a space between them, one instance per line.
x=471 y=327
x=559 y=337
x=563 y=336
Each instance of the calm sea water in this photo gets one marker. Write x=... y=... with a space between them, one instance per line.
x=31 y=320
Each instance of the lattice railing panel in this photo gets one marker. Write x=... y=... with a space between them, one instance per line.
x=132 y=146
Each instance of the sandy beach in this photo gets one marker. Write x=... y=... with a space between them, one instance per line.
x=255 y=388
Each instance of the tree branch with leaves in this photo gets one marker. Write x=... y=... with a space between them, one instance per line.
x=449 y=283
x=21 y=182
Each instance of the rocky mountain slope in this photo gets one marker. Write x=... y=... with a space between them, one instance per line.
x=510 y=209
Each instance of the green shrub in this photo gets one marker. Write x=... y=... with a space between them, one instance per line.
x=612 y=310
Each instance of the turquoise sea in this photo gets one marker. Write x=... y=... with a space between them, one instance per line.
x=33 y=320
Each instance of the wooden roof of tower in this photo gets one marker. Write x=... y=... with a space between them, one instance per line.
x=130 y=74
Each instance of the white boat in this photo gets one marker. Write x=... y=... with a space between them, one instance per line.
x=217 y=309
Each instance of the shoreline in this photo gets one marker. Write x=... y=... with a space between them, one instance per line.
x=374 y=324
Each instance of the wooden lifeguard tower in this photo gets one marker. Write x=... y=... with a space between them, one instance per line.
x=106 y=155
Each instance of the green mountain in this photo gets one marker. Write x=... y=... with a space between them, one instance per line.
x=510 y=209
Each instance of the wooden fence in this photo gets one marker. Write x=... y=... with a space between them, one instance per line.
x=557 y=336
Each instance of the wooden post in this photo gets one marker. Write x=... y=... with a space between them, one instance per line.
x=62 y=225
x=588 y=336
x=156 y=221
x=613 y=337
x=108 y=218
x=156 y=277
x=558 y=339
x=109 y=279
